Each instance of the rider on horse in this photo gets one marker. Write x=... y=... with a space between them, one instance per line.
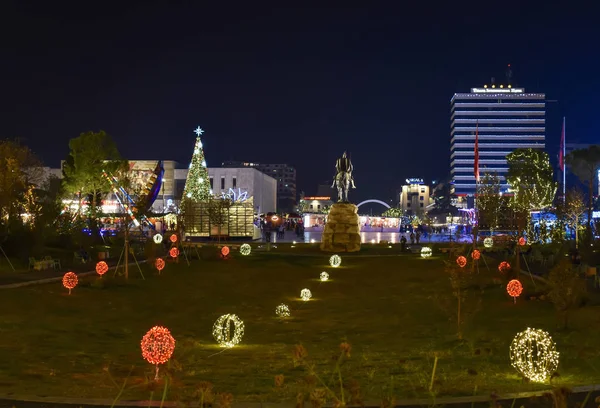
x=343 y=177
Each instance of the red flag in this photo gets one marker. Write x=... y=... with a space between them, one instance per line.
x=476 y=164
x=561 y=154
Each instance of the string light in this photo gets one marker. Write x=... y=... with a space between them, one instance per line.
x=223 y=333
x=160 y=264
x=69 y=281
x=522 y=241
x=335 y=261
x=426 y=252
x=514 y=289
x=282 y=311
x=245 y=249
x=101 y=268
x=174 y=252
x=488 y=242
x=461 y=261
x=305 y=294
x=157 y=346
x=225 y=251
x=533 y=354
x=504 y=267
x=475 y=254
x=324 y=276
x=157 y=238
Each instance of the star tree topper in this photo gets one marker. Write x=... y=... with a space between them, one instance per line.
x=198 y=131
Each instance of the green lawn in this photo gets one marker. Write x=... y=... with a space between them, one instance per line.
x=396 y=312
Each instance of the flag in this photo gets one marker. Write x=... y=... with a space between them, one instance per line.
x=561 y=153
x=476 y=162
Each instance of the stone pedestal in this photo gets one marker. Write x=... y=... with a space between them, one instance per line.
x=342 y=231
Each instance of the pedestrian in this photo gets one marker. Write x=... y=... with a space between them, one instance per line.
x=412 y=238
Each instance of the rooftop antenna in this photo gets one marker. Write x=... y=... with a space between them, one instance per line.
x=509 y=75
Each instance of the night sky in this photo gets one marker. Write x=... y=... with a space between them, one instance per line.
x=281 y=84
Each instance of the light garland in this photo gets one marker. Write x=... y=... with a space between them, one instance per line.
x=461 y=261
x=223 y=333
x=488 y=242
x=197 y=187
x=160 y=264
x=514 y=289
x=335 y=261
x=282 y=311
x=225 y=251
x=101 y=268
x=305 y=294
x=426 y=252
x=69 y=281
x=504 y=267
x=157 y=238
x=324 y=276
x=245 y=249
x=157 y=346
x=533 y=354
x=173 y=238
x=174 y=252
x=475 y=254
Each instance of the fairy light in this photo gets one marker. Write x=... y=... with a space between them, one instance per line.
x=174 y=252
x=228 y=330
x=160 y=264
x=514 y=289
x=157 y=346
x=225 y=251
x=173 y=238
x=504 y=267
x=461 y=261
x=101 y=268
x=69 y=281
x=533 y=354
x=426 y=252
x=475 y=254
x=335 y=261
x=245 y=249
x=282 y=311
x=157 y=238
x=305 y=294
x=488 y=242
x=522 y=241
x=324 y=276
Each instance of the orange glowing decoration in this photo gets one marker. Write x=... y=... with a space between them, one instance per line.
x=461 y=261
x=514 y=289
x=504 y=267
x=157 y=346
x=225 y=251
x=173 y=238
x=522 y=241
x=160 y=264
x=174 y=252
x=476 y=254
x=101 y=268
x=70 y=281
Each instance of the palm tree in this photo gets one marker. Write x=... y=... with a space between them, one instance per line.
x=584 y=163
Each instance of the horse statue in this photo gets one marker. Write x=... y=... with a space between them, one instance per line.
x=343 y=178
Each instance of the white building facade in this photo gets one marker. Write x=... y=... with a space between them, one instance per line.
x=414 y=197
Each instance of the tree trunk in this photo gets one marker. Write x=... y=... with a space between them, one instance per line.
x=590 y=206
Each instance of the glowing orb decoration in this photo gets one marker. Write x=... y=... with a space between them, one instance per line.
x=160 y=264
x=69 y=281
x=293 y=242
x=101 y=268
x=225 y=251
x=228 y=330
x=157 y=238
x=174 y=252
x=522 y=241
x=514 y=288
x=426 y=252
x=305 y=294
x=335 y=261
x=245 y=249
x=173 y=238
x=475 y=254
x=461 y=261
x=324 y=276
x=533 y=354
x=372 y=241
x=504 y=267
x=157 y=345
x=274 y=218
x=488 y=242
x=282 y=310
x=312 y=241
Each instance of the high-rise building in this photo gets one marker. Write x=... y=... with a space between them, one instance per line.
x=414 y=197
x=286 y=181
x=505 y=118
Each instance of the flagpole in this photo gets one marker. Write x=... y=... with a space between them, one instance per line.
x=564 y=173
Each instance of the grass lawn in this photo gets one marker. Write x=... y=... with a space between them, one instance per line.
x=396 y=312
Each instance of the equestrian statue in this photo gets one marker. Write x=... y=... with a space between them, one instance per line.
x=343 y=177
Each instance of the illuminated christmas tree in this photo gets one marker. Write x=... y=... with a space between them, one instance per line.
x=197 y=184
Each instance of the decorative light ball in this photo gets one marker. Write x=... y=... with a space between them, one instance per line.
x=533 y=354
x=488 y=242
x=157 y=238
x=305 y=294
x=196 y=151
x=157 y=345
x=293 y=242
x=312 y=241
x=476 y=254
x=514 y=288
x=160 y=264
x=228 y=330
x=101 y=268
x=282 y=310
x=69 y=281
x=522 y=241
x=173 y=238
x=189 y=195
x=335 y=261
x=461 y=261
x=324 y=276
x=200 y=180
x=174 y=252
x=426 y=252
x=504 y=267
x=274 y=218
x=225 y=251
x=203 y=163
x=245 y=249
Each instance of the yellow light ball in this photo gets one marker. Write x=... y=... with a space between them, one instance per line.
x=305 y=294
x=335 y=261
x=282 y=311
x=228 y=330
x=533 y=354
x=426 y=252
x=157 y=238
x=324 y=276
x=245 y=249
x=488 y=242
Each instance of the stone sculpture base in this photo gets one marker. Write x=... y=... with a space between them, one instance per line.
x=342 y=231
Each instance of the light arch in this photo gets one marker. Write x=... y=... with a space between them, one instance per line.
x=374 y=201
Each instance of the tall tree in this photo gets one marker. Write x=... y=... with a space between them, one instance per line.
x=197 y=184
x=531 y=179
x=489 y=201
x=584 y=163
x=571 y=210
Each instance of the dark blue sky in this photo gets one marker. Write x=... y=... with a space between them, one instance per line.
x=281 y=84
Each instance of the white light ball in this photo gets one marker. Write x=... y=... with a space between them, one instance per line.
x=189 y=195
x=312 y=241
x=282 y=310
x=305 y=294
x=324 y=276
x=533 y=354
x=335 y=261
x=426 y=252
x=203 y=163
x=245 y=249
x=199 y=144
x=200 y=180
x=228 y=330
x=196 y=151
x=488 y=242
x=157 y=238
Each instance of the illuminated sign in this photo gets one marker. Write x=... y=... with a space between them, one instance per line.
x=317 y=198
x=414 y=181
x=497 y=90
x=595 y=214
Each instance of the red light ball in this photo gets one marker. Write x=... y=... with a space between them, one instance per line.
x=160 y=264
x=461 y=261
x=157 y=345
x=174 y=252
x=225 y=251
x=101 y=268
x=514 y=288
x=504 y=267
x=476 y=254
x=69 y=280
x=173 y=238
x=522 y=241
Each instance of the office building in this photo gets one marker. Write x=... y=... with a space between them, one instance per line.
x=505 y=118
x=414 y=197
